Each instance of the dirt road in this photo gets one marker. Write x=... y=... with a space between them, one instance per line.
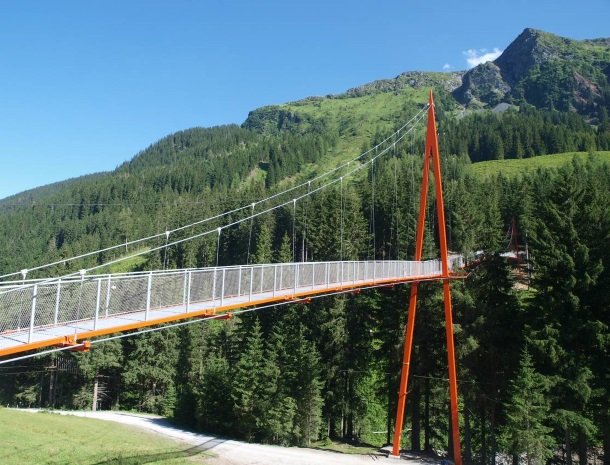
x=228 y=452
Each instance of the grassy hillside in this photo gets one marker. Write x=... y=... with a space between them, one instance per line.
x=358 y=117
x=516 y=167
x=49 y=439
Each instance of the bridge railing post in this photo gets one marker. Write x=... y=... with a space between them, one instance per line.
x=214 y=288
x=274 y=279
x=239 y=282
x=184 y=286
x=187 y=303
x=57 y=297
x=107 y=304
x=97 y=302
x=313 y=275
x=33 y=312
x=262 y=287
x=222 y=287
x=251 y=282
x=148 y=295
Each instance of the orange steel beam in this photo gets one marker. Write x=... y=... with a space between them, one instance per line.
x=406 y=356
x=431 y=154
x=207 y=313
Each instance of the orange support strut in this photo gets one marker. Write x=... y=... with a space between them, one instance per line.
x=431 y=154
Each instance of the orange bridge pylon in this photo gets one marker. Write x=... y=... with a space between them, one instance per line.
x=431 y=155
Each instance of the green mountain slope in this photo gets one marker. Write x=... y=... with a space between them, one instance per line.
x=200 y=171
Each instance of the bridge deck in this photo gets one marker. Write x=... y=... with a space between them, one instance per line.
x=43 y=313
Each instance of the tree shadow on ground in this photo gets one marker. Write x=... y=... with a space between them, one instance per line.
x=142 y=459
x=365 y=449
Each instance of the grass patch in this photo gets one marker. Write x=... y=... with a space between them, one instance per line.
x=516 y=167
x=52 y=439
x=128 y=265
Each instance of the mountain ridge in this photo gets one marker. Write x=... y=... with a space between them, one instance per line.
x=361 y=111
x=545 y=70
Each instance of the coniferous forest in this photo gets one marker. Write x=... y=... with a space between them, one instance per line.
x=533 y=343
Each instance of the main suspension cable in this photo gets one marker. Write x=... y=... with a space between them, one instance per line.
x=228 y=225
x=413 y=120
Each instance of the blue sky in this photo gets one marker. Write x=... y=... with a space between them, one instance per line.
x=85 y=85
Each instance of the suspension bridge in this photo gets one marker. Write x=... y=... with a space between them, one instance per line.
x=79 y=309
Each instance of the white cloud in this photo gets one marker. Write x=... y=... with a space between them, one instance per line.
x=475 y=57
x=447 y=67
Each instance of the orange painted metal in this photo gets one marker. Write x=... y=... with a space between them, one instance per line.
x=431 y=154
x=453 y=393
x=406 y=356
x=77 y=338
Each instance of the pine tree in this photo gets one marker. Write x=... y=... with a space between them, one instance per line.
x=527 y=411
x=245 y=383
x=278 y=419
x=284 y=253
x=308 y=387
x=150 y=370
x=98 y=367
x=263 y=252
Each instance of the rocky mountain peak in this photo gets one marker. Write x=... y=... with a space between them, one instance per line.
x=544 y=70
x=532 y=47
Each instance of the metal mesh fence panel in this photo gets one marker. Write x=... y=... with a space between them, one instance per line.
x=257 y=274
x=268 y=278
x=286 y=276
x=45 y=305
x=128 y=295
x=13 y=307
x=231 y=283
x=319 y=274
x=202 y=285
x=167 y=290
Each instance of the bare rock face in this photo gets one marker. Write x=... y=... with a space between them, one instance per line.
x=483 y=83
x=526 y=51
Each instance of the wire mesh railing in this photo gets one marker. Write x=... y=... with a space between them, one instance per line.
x=37 y=305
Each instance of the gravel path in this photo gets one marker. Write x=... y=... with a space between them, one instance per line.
x=229 y=452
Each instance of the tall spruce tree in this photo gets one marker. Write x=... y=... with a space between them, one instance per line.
x=526 y=432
